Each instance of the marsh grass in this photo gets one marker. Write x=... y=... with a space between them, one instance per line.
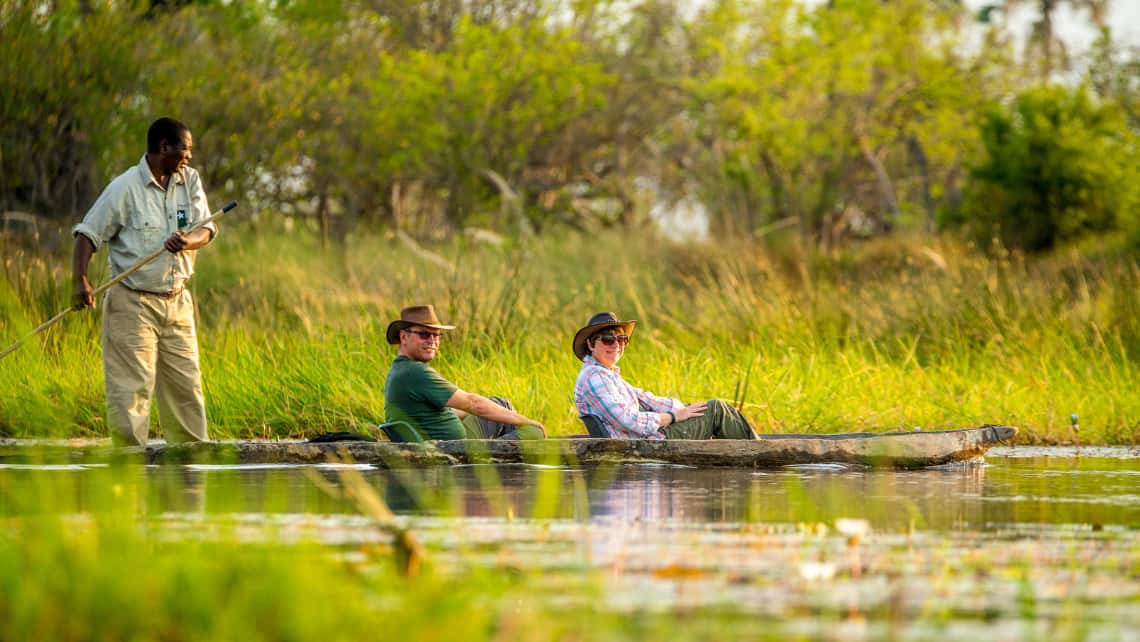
x=889 y=335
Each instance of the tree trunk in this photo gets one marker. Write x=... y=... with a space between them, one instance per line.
x=883 y=181
x=923 y=164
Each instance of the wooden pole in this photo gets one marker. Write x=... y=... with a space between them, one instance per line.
x=122 y=275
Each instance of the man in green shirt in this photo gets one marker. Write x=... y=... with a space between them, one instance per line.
x=415 y=393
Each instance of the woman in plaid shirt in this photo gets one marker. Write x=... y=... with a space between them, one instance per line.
x=627 y=412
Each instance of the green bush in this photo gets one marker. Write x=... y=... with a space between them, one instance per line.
x=1057 y=166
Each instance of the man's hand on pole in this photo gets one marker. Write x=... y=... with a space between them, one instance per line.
x=83 y=294
x=192 y=240
x=176 y=243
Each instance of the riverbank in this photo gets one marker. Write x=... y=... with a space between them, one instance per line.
x=884 y=336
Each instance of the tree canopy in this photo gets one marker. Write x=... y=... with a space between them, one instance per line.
x=840 y=119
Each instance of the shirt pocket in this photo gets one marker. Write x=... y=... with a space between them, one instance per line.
x=148 y=227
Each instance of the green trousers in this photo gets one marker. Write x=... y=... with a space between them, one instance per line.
x=720 y=421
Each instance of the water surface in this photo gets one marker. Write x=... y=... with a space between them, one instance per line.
x=1022 y=545
x=1023 y=487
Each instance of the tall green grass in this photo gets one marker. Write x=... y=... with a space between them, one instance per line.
x=887 y=335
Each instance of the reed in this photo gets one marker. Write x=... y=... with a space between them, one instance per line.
x=887 y=335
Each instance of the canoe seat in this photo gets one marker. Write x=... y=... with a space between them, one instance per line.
x=400 y=432
x=595 y=427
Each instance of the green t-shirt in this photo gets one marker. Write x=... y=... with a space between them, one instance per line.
x=417 y=394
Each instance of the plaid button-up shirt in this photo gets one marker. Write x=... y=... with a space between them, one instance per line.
x=600 y=391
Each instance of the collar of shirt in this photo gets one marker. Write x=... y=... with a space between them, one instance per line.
x=590 y=360
x=148 y=178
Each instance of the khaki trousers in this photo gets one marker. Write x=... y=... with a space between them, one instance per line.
x=150 y=345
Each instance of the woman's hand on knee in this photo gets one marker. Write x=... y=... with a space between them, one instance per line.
x=692 y=410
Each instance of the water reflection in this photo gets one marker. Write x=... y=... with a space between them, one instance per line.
x=951 y=554
x=1001 y=492
x=182 y=490
x=889 y=499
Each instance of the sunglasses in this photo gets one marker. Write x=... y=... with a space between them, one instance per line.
x=610 y=339
x=425 y=335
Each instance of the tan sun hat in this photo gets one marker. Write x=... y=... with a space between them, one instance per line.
x=599 y=321
x=415 y=315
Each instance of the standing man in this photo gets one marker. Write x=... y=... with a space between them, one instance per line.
x=149 y=340
x=435 y=407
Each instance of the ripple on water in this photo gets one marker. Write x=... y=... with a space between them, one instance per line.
x=821 y=468
x=47 y=467
x=241 y=467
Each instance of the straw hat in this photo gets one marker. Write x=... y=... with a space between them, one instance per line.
x=599 y=321
x=415 y=315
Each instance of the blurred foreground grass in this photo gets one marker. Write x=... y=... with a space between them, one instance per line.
x=122 y=568
x=177 y=553
x=887 y=335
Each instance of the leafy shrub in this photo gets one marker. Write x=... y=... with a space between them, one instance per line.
x=1056 y=166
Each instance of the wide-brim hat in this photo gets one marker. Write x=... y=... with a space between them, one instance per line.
x=598 y=322
x=415 y=315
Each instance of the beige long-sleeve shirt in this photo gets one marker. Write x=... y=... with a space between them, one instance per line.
x=134 y=215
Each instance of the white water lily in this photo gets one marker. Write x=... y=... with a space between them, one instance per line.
x=852 y=527
x=817 y=571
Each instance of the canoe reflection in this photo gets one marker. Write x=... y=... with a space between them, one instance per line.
x=1006 y=491
x=663 y=493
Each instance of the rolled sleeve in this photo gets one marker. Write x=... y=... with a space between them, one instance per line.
x=90 y=233
x=102 y=221
x=657 y=404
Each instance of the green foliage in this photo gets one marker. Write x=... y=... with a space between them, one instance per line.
x=850 y=118
x=1114 y=75
x=1057 y=166
x=493 y=99
x=324 y=110
x=70 y=103
x=509 y=114
x=823 y=109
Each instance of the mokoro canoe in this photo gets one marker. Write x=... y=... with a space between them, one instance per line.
x=890 y=450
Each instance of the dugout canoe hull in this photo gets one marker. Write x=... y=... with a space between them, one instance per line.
x=887 y=450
